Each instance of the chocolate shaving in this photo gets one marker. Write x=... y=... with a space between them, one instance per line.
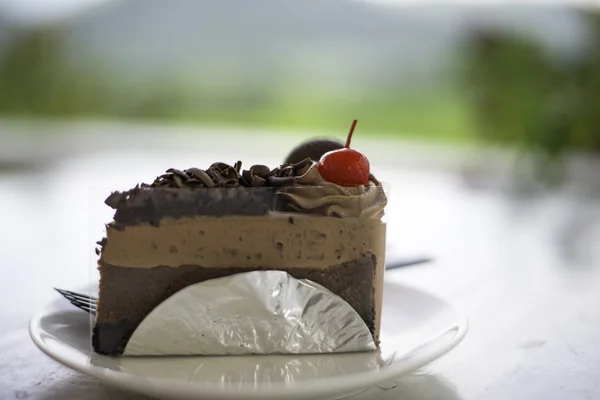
x=287 y=171
x=275 y=172
x=260 y=170
x=257 y=181
x=177 y=172
x=238 y=166
x=177 y=180
x=247 y=176
x=221 y=175
x=302 y=167
x=220 y=167
x=280 y=181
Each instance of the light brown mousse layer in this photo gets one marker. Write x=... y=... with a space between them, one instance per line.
x=278 y=241
x=245 y=241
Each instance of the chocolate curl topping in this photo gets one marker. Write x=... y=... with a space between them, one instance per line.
x=221 y=175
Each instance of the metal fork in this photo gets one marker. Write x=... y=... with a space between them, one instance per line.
x=83 y=301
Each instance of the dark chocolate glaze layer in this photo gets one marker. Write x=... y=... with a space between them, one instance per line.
x=150 y=205
x=129 y=294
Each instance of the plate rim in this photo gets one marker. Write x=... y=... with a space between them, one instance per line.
x=350 y=383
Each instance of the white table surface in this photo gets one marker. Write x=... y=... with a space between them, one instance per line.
x=526 y=271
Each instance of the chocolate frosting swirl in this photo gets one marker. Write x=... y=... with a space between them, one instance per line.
x=315 y=195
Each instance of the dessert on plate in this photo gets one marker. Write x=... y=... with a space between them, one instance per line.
x=317 y=221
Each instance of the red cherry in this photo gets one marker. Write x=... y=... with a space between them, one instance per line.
x=345 y=167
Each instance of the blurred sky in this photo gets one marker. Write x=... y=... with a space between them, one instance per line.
x=35 y=10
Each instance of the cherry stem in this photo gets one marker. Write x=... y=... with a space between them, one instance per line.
x=350 y=133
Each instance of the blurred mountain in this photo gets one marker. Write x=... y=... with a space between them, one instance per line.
x=331 y=40
x=336 y=39
x=305 y=63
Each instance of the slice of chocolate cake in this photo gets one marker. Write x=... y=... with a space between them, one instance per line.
x=194 y=225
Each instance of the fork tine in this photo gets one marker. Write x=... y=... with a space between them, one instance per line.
x=84 y=308
x=75 y=294
x=91 y=306
x=407 y=263
x=87 y=296
x=79 y=303
x=83 y=302
x=68 y=293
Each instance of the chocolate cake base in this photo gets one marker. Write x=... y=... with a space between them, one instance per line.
x=128 y=295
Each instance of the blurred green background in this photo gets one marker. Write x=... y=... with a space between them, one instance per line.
x=524 y=76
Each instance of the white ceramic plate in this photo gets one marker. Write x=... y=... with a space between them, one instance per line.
x=417 y=328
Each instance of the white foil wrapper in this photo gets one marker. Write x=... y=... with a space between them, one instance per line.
x=258 y=312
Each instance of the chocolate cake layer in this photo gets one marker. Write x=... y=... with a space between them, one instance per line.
x=129 y=294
